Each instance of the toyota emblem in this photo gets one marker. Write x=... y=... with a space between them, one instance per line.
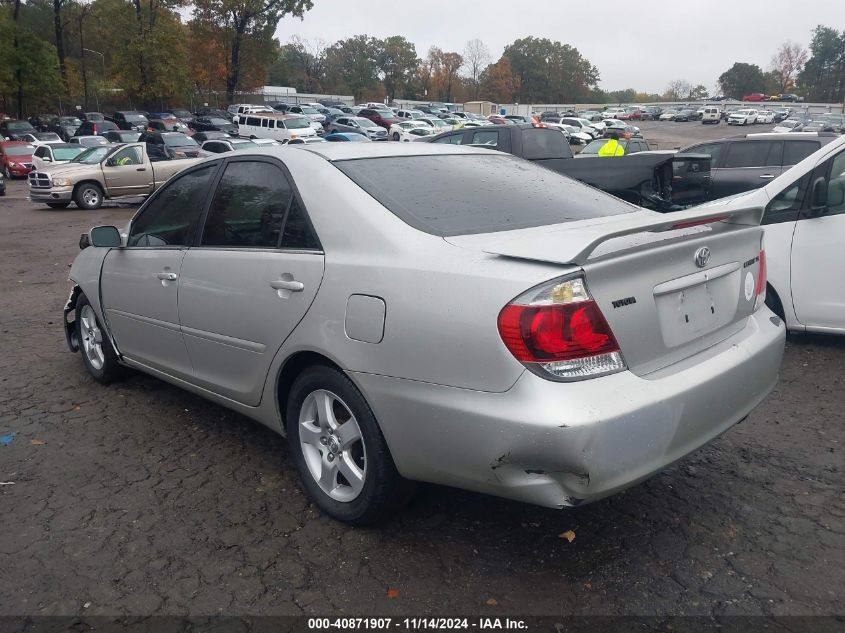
x=702 y=256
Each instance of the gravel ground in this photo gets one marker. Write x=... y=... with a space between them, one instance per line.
x=141 y=499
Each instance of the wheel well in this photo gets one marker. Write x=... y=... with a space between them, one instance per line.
x=294 y=366
x=87 y=182
x=776 y=300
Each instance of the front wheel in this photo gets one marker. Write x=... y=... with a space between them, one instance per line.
x=97 y=352
x=339 y=450
x=88 y=196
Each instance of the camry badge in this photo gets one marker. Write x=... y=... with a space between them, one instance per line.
x=702 y=256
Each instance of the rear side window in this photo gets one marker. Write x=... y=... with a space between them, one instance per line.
x=477 y=193
x=753 y=154
x=255 y=207
x=249 y=206
x=541 y=144
x=796 y=151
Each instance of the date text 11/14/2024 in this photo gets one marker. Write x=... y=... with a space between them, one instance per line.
x=417 y=624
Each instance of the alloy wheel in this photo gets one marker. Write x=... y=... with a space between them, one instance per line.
x=332 y=445
x=92 y=338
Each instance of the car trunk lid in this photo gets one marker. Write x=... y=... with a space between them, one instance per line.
x=670 y=286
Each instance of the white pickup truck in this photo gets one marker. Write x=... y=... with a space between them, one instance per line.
x=102 y=173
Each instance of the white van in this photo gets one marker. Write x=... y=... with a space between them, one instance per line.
x=710 y=114
x=281 y=127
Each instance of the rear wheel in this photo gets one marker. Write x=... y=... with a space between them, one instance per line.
x=339 y=450
x=396 y=136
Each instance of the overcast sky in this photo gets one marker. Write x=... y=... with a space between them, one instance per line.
x=642 y=45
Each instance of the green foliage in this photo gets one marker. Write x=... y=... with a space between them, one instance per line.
x=37 y=61
x=351 y=65
x=742 y=79
x=396 y=60
x=823 y=76
x=550 y=72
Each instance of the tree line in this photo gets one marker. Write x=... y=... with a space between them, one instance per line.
x=164 y=53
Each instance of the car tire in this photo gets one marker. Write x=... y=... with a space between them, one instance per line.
x=8 y=173
x=98 y=355
x=350 y=475
x=88 y=195
x=58 y=205
x=396 y=136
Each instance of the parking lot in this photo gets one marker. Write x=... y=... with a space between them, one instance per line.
x=140 y=498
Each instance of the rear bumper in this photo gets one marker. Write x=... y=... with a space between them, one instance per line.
x=562 y=444
x=54 y=194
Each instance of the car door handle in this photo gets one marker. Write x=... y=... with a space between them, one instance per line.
x=141 y=169
x=767 y=176
x=283 y=284
x=167 y=276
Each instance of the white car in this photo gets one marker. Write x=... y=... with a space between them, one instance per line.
x=788 y=125
x=804 y=221
x=573 y=133
x=42 y=138
x=410 y=130
x=765 y=116
x=614 y=113
x=48 y=155
x=746 y=116
x=410 y=114
x=439 y=125
x=668 y=115
x=593 y=128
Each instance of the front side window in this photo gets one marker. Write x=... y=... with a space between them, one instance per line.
x=249 y=206
x=787 y=203
x=452 y=139
x=490 y=138
x=172 y=217
x=540 y=144
x=127 y=156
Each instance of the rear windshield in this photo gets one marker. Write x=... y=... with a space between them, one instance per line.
x=476 y=193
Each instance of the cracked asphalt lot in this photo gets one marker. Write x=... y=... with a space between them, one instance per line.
x=139 y=498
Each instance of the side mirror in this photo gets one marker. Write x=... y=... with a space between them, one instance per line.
x=818 y=198
x=47 y=159
x=107 y=236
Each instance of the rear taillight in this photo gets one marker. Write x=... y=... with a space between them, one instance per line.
x=94 y=128
x=761 y=281
x=558 y=331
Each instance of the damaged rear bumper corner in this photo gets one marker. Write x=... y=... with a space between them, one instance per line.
x=564 y=444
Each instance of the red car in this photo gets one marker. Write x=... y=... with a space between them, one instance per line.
x=379 y=117
x=755 y=96
x=499 y=120
x=16 y=158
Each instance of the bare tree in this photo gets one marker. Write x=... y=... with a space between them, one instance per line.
x=677 y=89
x=787 y=62
x=476 y=59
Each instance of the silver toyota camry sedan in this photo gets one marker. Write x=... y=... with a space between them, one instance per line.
x=415 y=312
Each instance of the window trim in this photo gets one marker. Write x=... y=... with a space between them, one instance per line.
x=214 y=175
x=273 y=249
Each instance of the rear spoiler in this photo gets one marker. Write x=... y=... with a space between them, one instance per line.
x=574 y=242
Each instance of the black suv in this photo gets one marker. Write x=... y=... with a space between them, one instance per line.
x=742 y=163
x=130 y=120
